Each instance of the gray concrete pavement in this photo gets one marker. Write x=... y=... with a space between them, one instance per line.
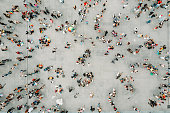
x=104 y=71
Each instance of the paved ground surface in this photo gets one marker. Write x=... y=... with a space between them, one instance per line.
x=104 y=72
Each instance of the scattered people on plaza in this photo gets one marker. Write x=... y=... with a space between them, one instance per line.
x=118 y=46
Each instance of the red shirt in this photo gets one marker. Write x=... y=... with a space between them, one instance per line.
x=159 y=2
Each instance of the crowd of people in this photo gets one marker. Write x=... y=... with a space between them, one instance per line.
x=33 y=90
